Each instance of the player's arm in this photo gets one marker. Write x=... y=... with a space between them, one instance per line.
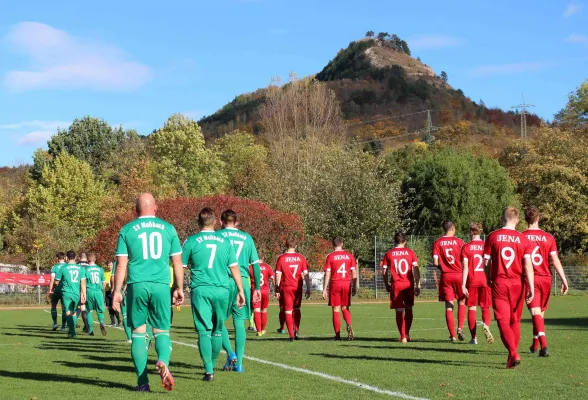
x=354 y=281
x=254 y=262
x=436 y=255
x=119 y=279
x=52 y=283
x=386 y=278
x=417 y=277
x=487 y=268
x=327 y=283
x=560 y=271
x=464 y=276
x=307 y=280
x=236 y=273
x=83 y=290
x=178 y=278
x=530 y=273
x=278 y=279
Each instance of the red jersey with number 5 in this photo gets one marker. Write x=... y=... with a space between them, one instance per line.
x=447 y=249
x=401 y=261
x=507 y=249
x=265 y=274
x=340 y=263
x=292 y=267
x=544 y=246
x=474 y=253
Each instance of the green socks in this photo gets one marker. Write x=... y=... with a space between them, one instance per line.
x=139 y=356
x=90 y=322
x=163 y=346
x=216 y=341
x=128 y=328
x=100 y=317
x=54 y=315
x=205 y=348
x=226 y=341
x=240 y=337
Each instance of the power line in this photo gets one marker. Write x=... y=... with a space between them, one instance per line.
x=386 y=118
x=428 y=130
x=523 y=107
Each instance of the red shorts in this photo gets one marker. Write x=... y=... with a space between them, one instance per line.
x=401 y=295
x=542 y=292
x=450 y=287
x=479 y=296
x=340 y=294
x=508 y=298
x=264 y=302
x=291 y=298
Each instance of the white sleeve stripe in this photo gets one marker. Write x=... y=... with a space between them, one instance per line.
x=53 y=274
x=233 y=264
x=435 y=256
x=185 y=265
x=278 y=272
x=553 y=252
x=175 y=254
x=415 y=264
x=121 y=255
x=353 y=268
x=487 y=257
x=255 y=262
x=328 y=270
x=527 y=256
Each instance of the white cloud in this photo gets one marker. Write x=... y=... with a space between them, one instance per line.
x=512 y=68
x=61 y=60
x=43 y=125
x=572 y=9
x=575 y=38
x=433 y=42
x=36 y=138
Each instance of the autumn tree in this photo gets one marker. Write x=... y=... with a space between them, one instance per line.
x=575 y=113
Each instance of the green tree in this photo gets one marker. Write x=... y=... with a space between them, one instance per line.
x=182 y=162
x=443 y=76
x=369 y=34
x=575 y=113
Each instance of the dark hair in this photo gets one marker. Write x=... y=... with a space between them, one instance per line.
x=338 y=241
x=229 y=216
x=71 y=255
x=206 y=217
x=399 y=237
x=292 y=242
x=476 y=228
x=448 y=225
x=532 y=215
x=60 y=255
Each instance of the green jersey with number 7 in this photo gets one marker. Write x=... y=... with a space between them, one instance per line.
x=149 y=242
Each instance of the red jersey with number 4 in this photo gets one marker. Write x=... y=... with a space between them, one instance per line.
x=401 y=261
x=292 y=267
x=265 y=274
x=507 y=249
x=340 y=263
x=544 y=246
x=447 y=249
x=474 y=253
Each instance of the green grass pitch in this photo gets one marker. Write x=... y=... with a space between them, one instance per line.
x=38 y=363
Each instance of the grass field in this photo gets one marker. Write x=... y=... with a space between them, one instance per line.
x=38 y=363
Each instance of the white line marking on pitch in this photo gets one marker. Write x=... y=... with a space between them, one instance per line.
x=334 y=378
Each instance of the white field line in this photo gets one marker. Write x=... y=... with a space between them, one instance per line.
x=329 y=377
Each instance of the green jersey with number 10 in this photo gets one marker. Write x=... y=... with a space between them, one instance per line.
x=208 y=255
x=94 y=277
x=70 y=276
x=149 y=242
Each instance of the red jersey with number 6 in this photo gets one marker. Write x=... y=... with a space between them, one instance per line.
x=447 y=250
x=544 y=246
x=340 y=263
x=401 y=261
x=292 y=267
x=265 y=274
x=507 y=249
x=474 y=253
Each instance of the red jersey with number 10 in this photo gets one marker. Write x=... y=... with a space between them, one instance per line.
x=544 y=246
x=340 y=263
x=447 y=249
x=474 y=253
x=292 y=267
x=265 y=274
x=507 y=249
x=401 y=261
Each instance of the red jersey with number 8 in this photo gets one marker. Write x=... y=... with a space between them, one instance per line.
x=401 y=261
x=340 y=263
x=292 y=267
x=447 y=250
x=474 y=253
x=507 y=248
x=265 y=274
x=544 y=246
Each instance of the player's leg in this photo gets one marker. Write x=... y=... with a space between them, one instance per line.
x=471 y=303
x=449 y=320
x=54 y=300
x=136 y=314
x=125 y=320
x=461 y=306
x=297 y=313
x=502 y=315
x=335 y=303
x=264 y=305
x=400 y=324
x=202 y=312
x=99 y=305
x=281 y=315
x=345 y=305
x=69 y=304
x=517 y=301
x=288 y=303
x=240 y=315
x=63 y=313
x=89 y=308
x=485 y=302
x=256 y=316
x=160 y=321
x=538 y=307
x=409 y=296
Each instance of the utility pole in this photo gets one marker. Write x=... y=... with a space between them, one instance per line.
x=429 y=129
x=523 y=107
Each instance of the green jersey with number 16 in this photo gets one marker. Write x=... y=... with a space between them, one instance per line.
x=149 y=242
x=70 y=276
x=94 y=277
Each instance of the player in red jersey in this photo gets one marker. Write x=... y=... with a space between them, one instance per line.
x=340 y=285
x=446 y=252
x=291 y=269
x=545 y=249
x=260 y=307
x=403 y=266
x=508 y=259
x=474 y=283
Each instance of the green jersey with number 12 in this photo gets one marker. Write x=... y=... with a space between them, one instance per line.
x=94 y=277
x=149 y=242
x=70 y=276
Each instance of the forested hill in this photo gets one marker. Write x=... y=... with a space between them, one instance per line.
x=377 y=77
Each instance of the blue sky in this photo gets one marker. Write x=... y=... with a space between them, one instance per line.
x=135 y=63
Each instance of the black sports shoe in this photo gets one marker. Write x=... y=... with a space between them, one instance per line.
x=91 y=333
x=337 y=338
x=208 y=378
x=544 y=352
x=532 y=350
x=291 y=339
x=296 y=335
x=85 y=330
x=102 y=330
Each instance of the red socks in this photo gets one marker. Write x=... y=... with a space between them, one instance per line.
x=400 y=324
x=336 y=323
x=407 y=321
x=507 y=336
x=347 y=316
x=290 y=324
x=516 y=331
x=472 y=322
x=257 y=318
x=282 y=319
x=263 y=321
x=486 y=316
x=297 y=318
x=461 y=314
x=450 y=322
x=539 y=327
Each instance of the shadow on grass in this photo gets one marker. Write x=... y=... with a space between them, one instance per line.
x=58 y=378
x=125 y=368
x=173 y=364
x=468 y=364
x=441 y=350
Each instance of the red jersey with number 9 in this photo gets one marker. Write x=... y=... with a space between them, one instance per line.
x=265 y=274
x=340 y=263
x=474 y=253
x=401 y=261
x=292 y=267
x=447 y=249
x=507 y=249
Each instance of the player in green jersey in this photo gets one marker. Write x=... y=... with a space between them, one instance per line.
x=209 y=255
x=246 y=252
x=123 y=306
x=144 y=249
x=55 y=292
x=73 y=280
x=95 y=285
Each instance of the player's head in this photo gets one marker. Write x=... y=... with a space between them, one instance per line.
x=400 y=238
x=206 y=218
x=229 y=218
x=109 y=265
x=338 y=242
x=292 y=242
x=476 y=229
x=510 y=216
x=261 y=255
x=60 y=256
x=83 y=256
x=448 y=227
x=145 y=205
x=71 y=255
x=532 y=215
x=92 y=257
